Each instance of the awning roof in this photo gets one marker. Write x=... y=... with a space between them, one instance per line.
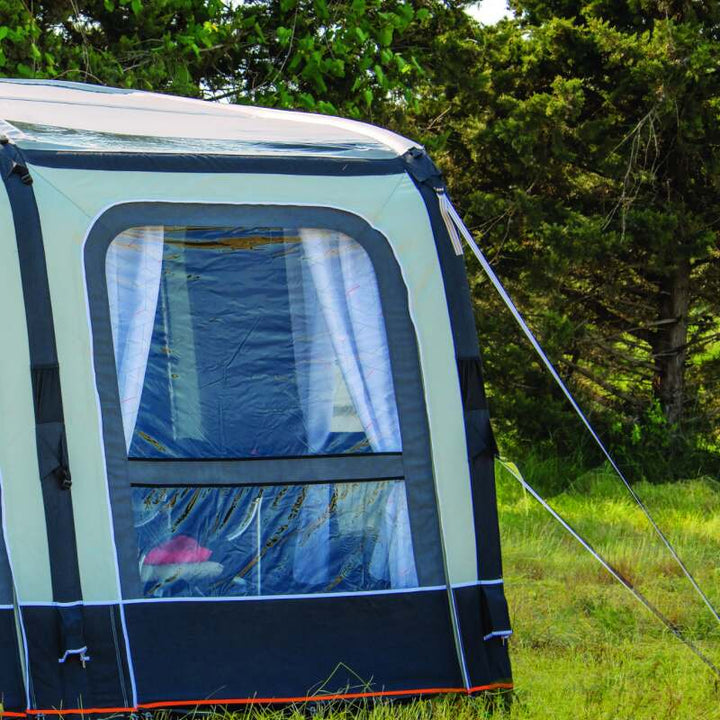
x=45 y=114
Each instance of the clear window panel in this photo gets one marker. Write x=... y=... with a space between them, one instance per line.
x=249 y=342
x=273 y=540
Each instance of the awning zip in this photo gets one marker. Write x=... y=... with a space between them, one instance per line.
x=513 y=470
x=453 y=219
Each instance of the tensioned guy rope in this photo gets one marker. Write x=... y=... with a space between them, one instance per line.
x=454 y=224
x=512 y=469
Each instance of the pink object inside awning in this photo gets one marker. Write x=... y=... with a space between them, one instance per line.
x=180 y=549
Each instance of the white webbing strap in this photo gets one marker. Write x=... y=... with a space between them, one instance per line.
x=514 y=472
x=447 y=210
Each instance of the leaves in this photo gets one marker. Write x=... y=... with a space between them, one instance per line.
x=582 y=141
x=326 y=56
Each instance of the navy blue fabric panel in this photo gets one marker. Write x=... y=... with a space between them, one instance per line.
x=481 y=451
x=50 y=430
x=487 y=529
x=296 y=648
x=495 y=609
x=471 y=383
x=166 y=162
x=103 y=682
x=480 y=438
x=12 y=689
x=46 y=393
x=6 y=579
x=487 y=660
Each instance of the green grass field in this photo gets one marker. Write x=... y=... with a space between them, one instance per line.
x=583 y=646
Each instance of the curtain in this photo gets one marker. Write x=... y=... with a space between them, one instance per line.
x=344 y=282
x=133 y=268
x=347 y=298
x=393 y=554
x=314 y=363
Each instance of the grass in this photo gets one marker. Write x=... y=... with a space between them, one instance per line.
x=583 y=647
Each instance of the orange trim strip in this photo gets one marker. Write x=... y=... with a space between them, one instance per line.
x=266 y=701
x=316 y=698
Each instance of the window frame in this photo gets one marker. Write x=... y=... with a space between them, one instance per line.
x=413 y=464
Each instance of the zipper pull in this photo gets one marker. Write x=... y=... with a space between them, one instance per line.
x=445 y=207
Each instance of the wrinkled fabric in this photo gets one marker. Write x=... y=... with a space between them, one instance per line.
x=265 y=342
x=256 y=541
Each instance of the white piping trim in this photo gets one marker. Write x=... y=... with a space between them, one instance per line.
x=444 y=202
x=498 y=633
x=131 y=667
x=250 y=598
x=308 y=596
x=495 y=581
x=21 y=622
x=7 y=607
x=76 y=603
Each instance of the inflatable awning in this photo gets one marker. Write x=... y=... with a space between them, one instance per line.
x=245 y=451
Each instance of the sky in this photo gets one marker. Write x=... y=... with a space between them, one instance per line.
x=489 y=12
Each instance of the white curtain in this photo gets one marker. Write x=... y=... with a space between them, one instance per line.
x=314 y=360
x=133 y=269
x=393 y=555
x=346 y=288
x=346 y=292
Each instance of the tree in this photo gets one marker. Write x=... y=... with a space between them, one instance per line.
x=583 y=139
x=350 y=57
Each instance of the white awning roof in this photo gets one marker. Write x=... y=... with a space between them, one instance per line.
x=73 y=116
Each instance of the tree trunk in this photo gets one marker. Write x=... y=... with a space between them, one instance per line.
x=670 y=340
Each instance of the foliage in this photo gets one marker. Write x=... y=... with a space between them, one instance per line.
x=582 y=141
x=338 y=57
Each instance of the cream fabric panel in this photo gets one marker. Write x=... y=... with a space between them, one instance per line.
x=25 y=513
x=69 y=202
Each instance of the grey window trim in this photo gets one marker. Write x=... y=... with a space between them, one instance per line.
x=266 y=471
x=413 y=465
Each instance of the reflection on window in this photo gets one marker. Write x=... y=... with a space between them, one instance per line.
x=277 y=540
x=237 y=342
